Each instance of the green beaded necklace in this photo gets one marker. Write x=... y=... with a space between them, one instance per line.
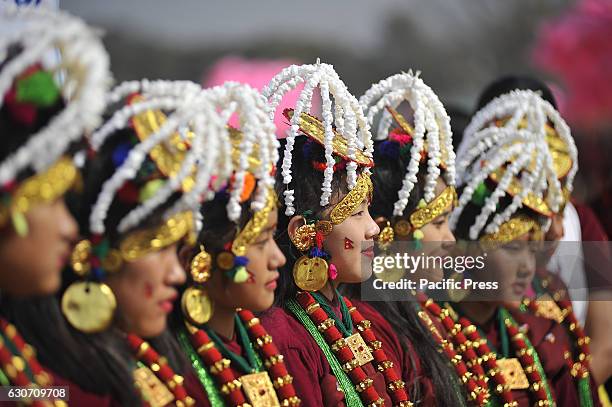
x=346 y=323
x=252 y=363
x=212 y=392
x=351 y=396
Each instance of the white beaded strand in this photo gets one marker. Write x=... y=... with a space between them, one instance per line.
x=85 y=65
x=431 y=129
x=526 y=149
x=344 y=113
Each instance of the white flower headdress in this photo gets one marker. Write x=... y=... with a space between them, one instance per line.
x=512 y=129
x=256 y=151
x=247 y=153
x=81 y=72
x=190 y=117
x=431 y=130
x=343 y=113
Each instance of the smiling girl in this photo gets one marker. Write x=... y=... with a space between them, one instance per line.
x=327 y=234
x=41 y=118
x=233 y=268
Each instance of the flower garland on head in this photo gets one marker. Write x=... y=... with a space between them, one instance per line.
x=347 y=117
x=250 y=155
x=157 y=160
x=429 y=139
x=84 y=64
x=431 y=133
x=346 y=140
x=247 y=157
x=180 y=98
x=508 y=142
x=256 y=128
x=29 y=85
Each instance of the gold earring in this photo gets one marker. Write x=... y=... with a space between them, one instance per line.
x=310 y=274
x=386 y=236
x=303 y=239
x=201 y=266
x=458 y=294
x=89 y=306
x=196 y=305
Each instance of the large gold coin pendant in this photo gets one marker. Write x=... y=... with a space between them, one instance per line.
x=360 y=349
x=259 y=390
x=89 y=306
x=196 y=305
x=153 y=391
x=513 y=372
x=310 y=274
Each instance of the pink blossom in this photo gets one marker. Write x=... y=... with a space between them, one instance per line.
x=577 y=48
x=257 y=73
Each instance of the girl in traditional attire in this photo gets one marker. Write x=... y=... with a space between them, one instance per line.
x=577 y=253
x=47 y=106
x=413 y=198
x=330 y=348
x=136 y=207
x=510 y=190
x=233 y=266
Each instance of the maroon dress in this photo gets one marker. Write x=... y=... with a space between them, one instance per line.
x=80 y=397
x=313 y=378
x=196 y=389
x=404 y=357
x=550 y=340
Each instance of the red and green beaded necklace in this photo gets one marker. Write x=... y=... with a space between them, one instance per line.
x=524 y=351
x=473 y=349
x=222 y=364
x=351 y=350
x=148 y=357
x=478 y=395
x=19 y=366
x=577 y=359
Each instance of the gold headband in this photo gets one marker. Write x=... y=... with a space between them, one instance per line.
x=313 y=128
x=512 y=229
x=407 y=128
x=532 y=201
x=141 y=242
x=345 y=208
x=167 y=156
x=45 y=187
x=433 y=209
x=135 y=245
x=254 y=226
